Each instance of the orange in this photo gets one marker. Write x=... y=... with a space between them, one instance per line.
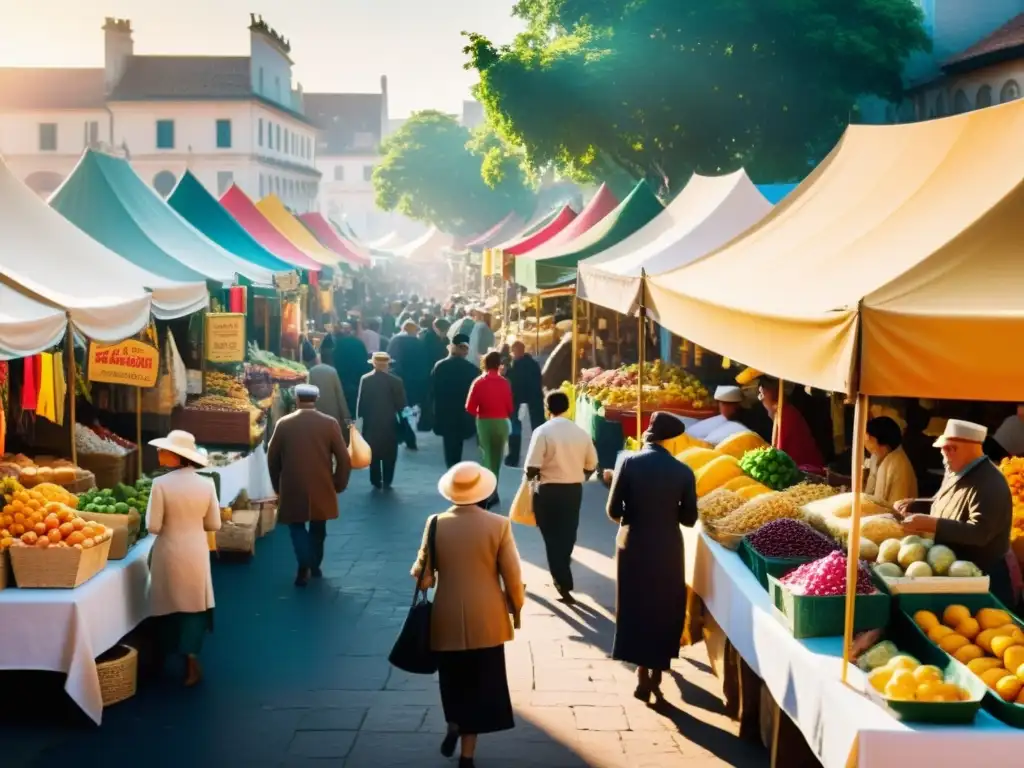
x=953 y=643
x=43 y=542
x=993 y=676
x=77 y=537
x=969 y=628
x=66 y=529
x=40 y=528
x=985 y=637
x=51 y=522
x=53 y=535
x=1014 y=631
x=926 y=620
x=954 y=614
x=1001 y=642
x=29 y=537
x=938 y=633
x=78 y=523
x=1013 y=657
x=991 y=618
x=968 y=653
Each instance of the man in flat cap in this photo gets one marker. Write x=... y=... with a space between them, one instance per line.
x=309 y=467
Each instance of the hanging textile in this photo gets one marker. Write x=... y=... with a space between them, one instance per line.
x=30 y=386
x=60 y=386
x=45 y=403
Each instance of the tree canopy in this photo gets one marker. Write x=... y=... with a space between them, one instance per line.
x=433 y=171
x=664 y=88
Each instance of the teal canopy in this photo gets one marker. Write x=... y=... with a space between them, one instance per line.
x=201 y=209
x=557 y=269
x=106 y=199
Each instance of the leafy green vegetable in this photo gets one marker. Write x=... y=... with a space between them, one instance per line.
x=770 y=467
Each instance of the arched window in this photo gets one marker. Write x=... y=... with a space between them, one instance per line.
x=940 y=106
x=164 y=183
x=961 y=103
x=1010 y=92
x=984 y=97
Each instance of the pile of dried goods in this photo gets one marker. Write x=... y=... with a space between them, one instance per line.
x=826 y=578
x=790 y=539
x=718 y=504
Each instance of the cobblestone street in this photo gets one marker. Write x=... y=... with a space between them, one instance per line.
x=300 y=677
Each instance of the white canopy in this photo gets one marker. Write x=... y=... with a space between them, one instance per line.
x=27 y=327
x=45 y=256
x=428 y=245
x=708 y=213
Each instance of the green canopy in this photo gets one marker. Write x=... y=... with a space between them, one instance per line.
x=201 y=209
x=106 y=199
x=551 y=270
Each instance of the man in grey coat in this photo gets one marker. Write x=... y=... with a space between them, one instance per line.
x=324 y=376
x=381 y=400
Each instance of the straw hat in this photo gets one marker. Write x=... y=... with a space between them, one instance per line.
x=183 y=444
x=467 y=483
x=380 y=357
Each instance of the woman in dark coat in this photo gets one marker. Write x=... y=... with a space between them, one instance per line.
x=651 y=495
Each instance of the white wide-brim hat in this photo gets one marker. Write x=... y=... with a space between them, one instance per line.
x=467 y=483
x=962 y=431
x=183 y=444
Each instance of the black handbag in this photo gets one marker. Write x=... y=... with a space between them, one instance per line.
x=411 y=652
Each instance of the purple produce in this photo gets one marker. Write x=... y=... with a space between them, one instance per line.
x=788 y=538
x=826 y=578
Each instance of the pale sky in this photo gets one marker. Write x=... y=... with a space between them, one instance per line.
x=337 y=45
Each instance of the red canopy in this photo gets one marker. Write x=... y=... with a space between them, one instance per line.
x=238 y=204
x=600 y=205
x=564 y=218
x=504 y=228
x=328 y=238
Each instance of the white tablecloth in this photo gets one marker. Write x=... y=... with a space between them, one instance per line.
x=249 y=473
x=841 y=725
x=64 y=630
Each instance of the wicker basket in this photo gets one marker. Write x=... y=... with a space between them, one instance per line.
x=268 y=516
x=239 y=535
x=86 y=482
x=57 y=567
x=119 y=675
x=108 y=469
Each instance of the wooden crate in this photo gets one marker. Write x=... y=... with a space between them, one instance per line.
x=57 y=567
x=213 y=427
x=268 y=516
x=239 y=535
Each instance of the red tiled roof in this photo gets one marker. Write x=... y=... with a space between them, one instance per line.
x=51 y=88
x=1008 y=36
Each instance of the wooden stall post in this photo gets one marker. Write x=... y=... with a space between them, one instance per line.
x=575 y=342
x=592 y=333
x=536 y=330
x=138 y=426
x=777 y=422
x=641 y=345
x=72 y=389
x=860 y=418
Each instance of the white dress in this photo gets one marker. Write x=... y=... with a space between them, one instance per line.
x=183 y=506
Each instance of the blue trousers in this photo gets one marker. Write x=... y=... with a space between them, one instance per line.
x=308 y=544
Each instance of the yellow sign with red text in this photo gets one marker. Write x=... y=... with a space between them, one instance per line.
x=130 y=362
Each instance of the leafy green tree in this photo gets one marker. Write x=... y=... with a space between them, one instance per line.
x=664 y=88
x=433 y=171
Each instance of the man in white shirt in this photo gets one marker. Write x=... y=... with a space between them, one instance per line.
x=560 y=458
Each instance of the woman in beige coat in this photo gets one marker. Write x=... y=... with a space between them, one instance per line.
x=183 y=506
x=892 y=477
x=479 y=582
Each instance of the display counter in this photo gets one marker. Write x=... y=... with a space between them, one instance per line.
x=841 y=725
x=65 y=630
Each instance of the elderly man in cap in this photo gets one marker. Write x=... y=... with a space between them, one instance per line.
x=380 y=404
x=732 y=417
x=309 y=467
x=450 y=382
x=973 y=511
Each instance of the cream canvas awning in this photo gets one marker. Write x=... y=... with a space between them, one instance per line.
x=27 y=327
x=706 y=214
x=908 y=235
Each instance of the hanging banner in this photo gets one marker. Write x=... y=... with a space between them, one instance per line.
x=130 y=362
x=225 y=337
x=286 y=281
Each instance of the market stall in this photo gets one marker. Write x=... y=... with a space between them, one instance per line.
x=323 y=232
x=290 y=227
x=245 y=212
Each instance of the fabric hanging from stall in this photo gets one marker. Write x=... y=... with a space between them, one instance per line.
x=60 y=386
x=30 y=385
x=46 y=406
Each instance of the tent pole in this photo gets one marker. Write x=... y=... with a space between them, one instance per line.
x=575 y=343
x=72 y=390
x=641 y=344
x=536 y=331
x=618 y=344
x=592 y=333
x=138 y=425
x=777 y=424
x=860 y=414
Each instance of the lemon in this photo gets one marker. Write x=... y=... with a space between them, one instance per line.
x=991 y=618
x=985 y=637
x=954 y=642
x=1008 y=687
x=901 y=686
x=938 y=633
x=981 y=665
x=926 y=620
x=969 y=628
x=902 y=661
x=1013 y=657
x=993 y=676
x=1000 y=644
x=879 y=678
x=969 y=653
x=928 y=673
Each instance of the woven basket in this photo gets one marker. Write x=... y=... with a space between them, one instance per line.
x=85 y=483
x=119 y=676
x=57 y=567
x=4 y=567
x=109 y=470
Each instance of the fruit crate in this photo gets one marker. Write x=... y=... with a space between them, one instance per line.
x=935 y=585
x=762 y=567
x=936 y=712
x=914 y=639
x=57 y=567
x=808 y=616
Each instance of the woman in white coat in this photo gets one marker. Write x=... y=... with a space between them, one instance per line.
x=183 y=507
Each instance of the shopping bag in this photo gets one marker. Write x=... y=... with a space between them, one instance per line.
x=411 y=651
x=522 y=505
x=359 y=452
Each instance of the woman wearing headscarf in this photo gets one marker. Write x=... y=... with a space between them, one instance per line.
x=479 y=584
x=183 y=508
x=651 y=495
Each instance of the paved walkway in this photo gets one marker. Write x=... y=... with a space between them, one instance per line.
x=300 y=677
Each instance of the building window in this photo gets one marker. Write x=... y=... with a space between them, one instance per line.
x=224 y=181
x=277 y=134
x=339 y=173
x=260 y=89
x=277 y=89
x=984 y=98
x=287 y=142
x=262 y=193
x=92 y=133
x=961 y=103
x=367 y=173
x=1010 y=92
x=165 y=134
x=259 y=133
x=277 y=185
x=164 y=183
x=223 y=134
x=47 y=137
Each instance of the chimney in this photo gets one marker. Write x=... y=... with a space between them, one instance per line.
x=385 y=121
x=118 y=48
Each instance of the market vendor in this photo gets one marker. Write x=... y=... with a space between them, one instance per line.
x=732 y=417
x=794 y=435
x=973 y=510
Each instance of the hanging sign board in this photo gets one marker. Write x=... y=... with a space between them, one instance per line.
x=225 y=337
x=286 y=281
x=130 y=362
